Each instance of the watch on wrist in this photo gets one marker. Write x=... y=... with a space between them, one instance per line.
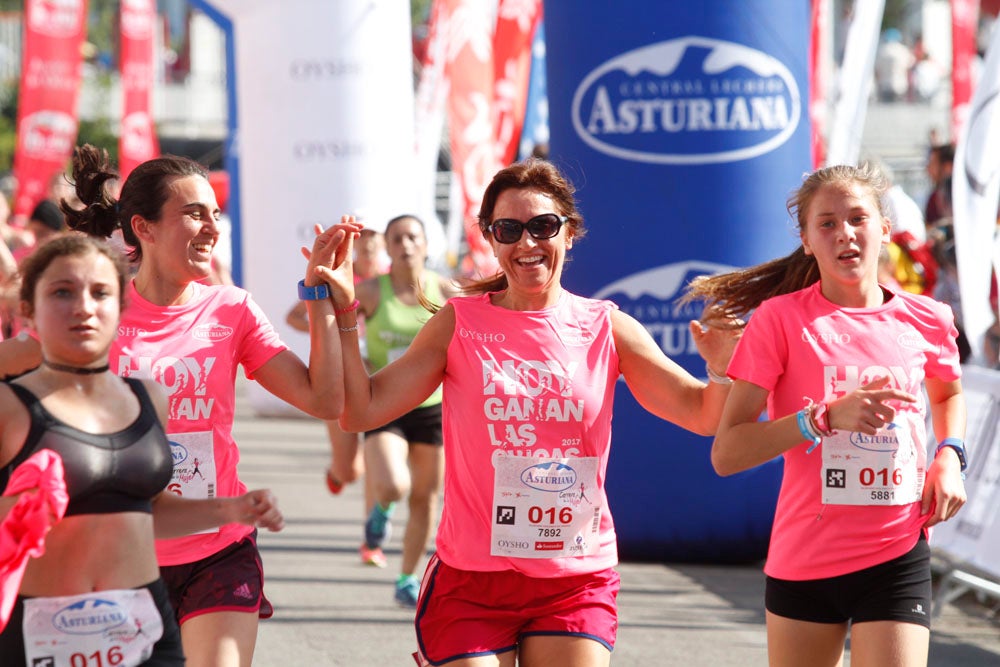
x=958 y=446
x=316 y=293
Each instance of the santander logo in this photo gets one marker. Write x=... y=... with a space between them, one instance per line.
x=691 y=100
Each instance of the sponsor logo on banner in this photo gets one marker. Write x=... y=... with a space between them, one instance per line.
x=691 y=100
x=137 y=134
x=53 y=75
x=650 y=295
x=56 y=18
x=137 y=18
x=327 y=69
x=89 y=617
x=48 y=135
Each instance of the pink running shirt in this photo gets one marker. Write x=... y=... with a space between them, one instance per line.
x=799 y=346
x=193 y=350
x=536 y=383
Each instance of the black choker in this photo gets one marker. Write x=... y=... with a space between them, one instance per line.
x=78 y=370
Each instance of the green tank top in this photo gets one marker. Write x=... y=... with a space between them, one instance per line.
x=394 y=325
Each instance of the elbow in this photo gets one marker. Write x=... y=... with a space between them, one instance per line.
x=326 y=411
x=723 y=466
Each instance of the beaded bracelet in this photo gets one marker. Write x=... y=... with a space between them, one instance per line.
x=348 y=329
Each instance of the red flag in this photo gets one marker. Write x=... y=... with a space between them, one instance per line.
x=137 y=142
x=964 y=17
x=471 y=118
x=516 y=24
x=50 y=86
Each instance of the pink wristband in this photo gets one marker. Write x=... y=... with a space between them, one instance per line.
x=351 y=308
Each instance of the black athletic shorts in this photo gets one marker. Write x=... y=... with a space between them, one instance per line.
x=418 y=425
x=897 y=590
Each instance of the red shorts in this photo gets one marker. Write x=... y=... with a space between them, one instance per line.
x=230 y=580
x=462 y=614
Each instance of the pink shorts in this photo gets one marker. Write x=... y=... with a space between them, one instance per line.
x=462 y=614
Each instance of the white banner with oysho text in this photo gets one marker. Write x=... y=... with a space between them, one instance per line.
x=324 y=93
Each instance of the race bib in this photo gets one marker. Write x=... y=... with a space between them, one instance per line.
x=117 y=627
x=194 y=465
x=545 y=507
x=881 y=469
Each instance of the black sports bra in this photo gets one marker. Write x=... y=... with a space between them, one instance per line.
x=105 y=473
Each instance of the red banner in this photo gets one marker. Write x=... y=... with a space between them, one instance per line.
x=818 y=55
x=471 y=118
x=517 y=21
x=137 y=141
x=964 y=18
x=54 y=31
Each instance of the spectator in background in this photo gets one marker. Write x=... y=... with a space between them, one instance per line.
x=893 y=61
x=926 y=75
x=45 y=222
x=939 y=165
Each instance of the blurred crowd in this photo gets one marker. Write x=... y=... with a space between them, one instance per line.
x=921 y=255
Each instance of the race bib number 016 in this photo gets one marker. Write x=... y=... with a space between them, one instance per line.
x=545 y=507
x=880 y=469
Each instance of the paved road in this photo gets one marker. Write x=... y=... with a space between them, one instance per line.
x=331 y=610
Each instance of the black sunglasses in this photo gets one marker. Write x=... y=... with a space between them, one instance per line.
x=541 y=227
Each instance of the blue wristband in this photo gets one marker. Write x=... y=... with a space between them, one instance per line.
x=802 y=416
x=959 y=446
x=316 y=293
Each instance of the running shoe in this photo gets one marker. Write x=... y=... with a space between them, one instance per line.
x=407 y=590
x=378 y=527
x=334 y=485
x=373 y=557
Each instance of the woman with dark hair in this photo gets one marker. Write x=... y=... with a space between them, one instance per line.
x=526 y=551
x=84 y=466
x=191 y=338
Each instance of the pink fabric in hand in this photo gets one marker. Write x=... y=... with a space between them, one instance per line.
x=22 y=533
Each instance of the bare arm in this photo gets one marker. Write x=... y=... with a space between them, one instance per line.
x=174 y=516
x=402 y=385
x=944 y=491
x=743 y=441
x=318 y=388
x=660 y=385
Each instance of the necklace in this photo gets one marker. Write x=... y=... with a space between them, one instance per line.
x=78 y=370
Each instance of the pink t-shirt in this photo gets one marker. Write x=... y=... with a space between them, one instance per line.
x=801 y=346
x=193 y=350
x=526 y=383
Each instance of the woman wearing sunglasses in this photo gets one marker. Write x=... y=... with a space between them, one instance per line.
x=524 y=569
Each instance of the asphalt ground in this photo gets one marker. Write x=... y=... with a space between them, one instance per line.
x=332 y=610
